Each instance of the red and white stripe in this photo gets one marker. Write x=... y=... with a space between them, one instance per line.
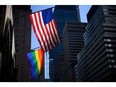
x=47 y=35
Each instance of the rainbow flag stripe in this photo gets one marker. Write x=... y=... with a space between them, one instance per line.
x=36 y=61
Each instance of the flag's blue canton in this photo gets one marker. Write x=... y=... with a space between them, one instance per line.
x=47 y=15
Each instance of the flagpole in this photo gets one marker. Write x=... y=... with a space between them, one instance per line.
x=33 y=12
x=34 y=48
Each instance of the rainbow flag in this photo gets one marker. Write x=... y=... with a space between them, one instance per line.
x=36 y=61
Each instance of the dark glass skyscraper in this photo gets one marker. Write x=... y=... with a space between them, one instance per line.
x=22 y=27
x=73 y=43
x=97 y=60
x=62 y=13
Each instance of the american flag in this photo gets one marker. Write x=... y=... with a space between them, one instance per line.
x=45 y=29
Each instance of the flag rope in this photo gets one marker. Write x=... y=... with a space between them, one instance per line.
x=35 y=48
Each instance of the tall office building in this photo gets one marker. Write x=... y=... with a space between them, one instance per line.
x=22 y=27
x=73 y=43
x=97 y=60
x=7 y=45
x=62 y=14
